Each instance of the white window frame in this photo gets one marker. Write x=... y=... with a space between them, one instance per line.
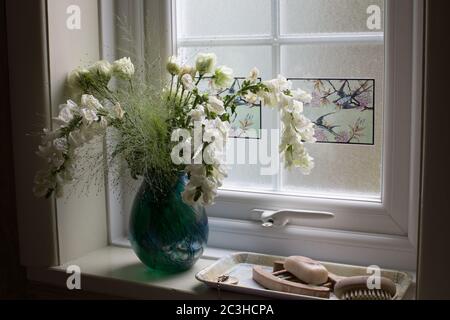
x=362 y=232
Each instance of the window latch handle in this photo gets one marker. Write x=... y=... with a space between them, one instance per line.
x=280 y=218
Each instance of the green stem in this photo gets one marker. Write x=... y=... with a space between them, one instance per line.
x=131 y=86
x=243 y=89
x=181 y=98
x=171 y=88
x=199 y=79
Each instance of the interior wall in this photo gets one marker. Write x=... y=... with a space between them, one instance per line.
x=12 y=275
x=81 y=213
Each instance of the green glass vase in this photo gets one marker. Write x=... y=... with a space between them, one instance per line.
x=167 y=234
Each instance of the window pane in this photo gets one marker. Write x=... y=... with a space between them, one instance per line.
x=328 y=16
x=341 y=169
x=342 y=61
x=196 y=18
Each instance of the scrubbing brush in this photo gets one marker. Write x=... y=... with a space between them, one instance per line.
x=356 y=288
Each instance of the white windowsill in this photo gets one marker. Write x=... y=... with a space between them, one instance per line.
x=116 y=271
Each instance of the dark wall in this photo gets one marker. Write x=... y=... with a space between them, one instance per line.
x=12 y=276
x=434 y=251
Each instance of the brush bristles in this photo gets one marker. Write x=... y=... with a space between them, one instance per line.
x=365 y=294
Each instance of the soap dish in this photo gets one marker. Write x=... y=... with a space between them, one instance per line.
x=239 y=267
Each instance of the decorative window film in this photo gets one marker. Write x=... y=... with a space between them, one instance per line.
x=342 y=109
x=247 y=121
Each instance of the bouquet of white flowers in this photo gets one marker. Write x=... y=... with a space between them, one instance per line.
x=163 y=132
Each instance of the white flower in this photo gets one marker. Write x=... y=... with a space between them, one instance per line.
x=299 y=121
x=209 y=191
x=118 y=111
x=251 y=98
x=223 y=77
x=289 y=138
x=187 y=69
x=222 y=126
x=101 y=68
x=254 y=75
x=90 y=102
x=202 y=186
x=285 y=101
x=172 y=65
x=189 y=194
x=205 y=62
x=270 y=99
x=60 y=144
x=304 y=162
x=75 y=77
x=218 y=174
x=123 y=68
x=45 y=151
x=277 y=93
x=283 y=83
x=66 y=113
x=207 y=187
x=297 y=107
x=306 y=130
x=278 y=85
x=50 y=135
x=297 y=130
x=195 y=180
x=197 y=114
x=301 y=95
x=290 y=105
x=89 y=116
x=188 y=82
x=215 y=105
x=192 y=191
x=51 y=154
x=196 y=170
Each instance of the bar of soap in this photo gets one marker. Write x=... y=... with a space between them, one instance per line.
x=307 y=270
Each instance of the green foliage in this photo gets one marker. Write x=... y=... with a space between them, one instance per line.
x=145 y=137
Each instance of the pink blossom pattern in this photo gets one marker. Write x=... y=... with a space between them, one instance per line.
x=342 y=110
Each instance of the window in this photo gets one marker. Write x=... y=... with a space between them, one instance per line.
x=369 y=182
x=299 y=39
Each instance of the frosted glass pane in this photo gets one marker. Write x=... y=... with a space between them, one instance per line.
x=246 y=172
x=333 y=61
x=242 y=60
x=340 y=169
x=328 y=16
x=223 y=17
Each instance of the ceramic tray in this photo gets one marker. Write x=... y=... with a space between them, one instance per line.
x=240 y=265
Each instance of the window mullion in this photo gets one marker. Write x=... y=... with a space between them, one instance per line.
x=276 y=66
